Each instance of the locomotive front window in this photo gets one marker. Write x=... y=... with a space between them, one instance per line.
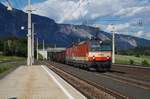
x=96 y=46
x=105 y=48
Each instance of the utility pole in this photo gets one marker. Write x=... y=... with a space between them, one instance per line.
x=37 y=48
x=29 y=58
x=113 y=44
x=33 y=43
x=43 y=48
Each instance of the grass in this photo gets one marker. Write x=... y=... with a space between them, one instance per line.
x=10 y=58
x=6 y=69
x=124 y=59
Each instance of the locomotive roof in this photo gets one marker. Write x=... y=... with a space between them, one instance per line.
x=83 y=42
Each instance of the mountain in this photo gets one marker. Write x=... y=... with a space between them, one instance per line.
x=12 y=21
x=124 y=42
x=60 y=34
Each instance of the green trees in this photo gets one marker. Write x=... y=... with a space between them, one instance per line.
x=138 y=51
x=145 y=63
x=131 y=62
x=13 y=46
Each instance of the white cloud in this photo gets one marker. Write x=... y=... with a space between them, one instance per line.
x=117 y=27
x=142 y=34
x=133 y=11
x=75 y=11
x=70 y=10
x=139 y=33
x=129 y=11
x=120 y=27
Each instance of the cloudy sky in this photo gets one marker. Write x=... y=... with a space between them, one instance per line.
x=130 y=17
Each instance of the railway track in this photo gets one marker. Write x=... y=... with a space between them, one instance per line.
x=128 y=80
x=132 y=72
x=94 y=85
x=122 y=85
x=133 y=66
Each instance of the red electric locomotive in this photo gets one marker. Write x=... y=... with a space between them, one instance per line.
x=90 y=54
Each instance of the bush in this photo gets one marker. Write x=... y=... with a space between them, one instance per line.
x=145 y=63
x=137 y=55
x=131 y=61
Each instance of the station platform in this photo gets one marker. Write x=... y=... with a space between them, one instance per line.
x=36 y=82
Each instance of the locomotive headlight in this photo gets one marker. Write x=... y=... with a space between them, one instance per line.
x=93 y=57
x=108 y=57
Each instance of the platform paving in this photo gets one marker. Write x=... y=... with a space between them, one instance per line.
x=36 y=82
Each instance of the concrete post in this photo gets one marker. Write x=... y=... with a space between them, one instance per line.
x=29 y=56
x=33 y=43
x=37 y=49
x=113 y=44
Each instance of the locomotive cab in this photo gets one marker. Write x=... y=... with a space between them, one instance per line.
x=99 y=55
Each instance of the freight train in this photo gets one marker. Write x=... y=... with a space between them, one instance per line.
x=88 y=54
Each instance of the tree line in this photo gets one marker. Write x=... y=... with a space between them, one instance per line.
x=13 y=46
x=137 y=51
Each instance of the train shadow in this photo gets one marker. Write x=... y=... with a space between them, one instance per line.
x=108 y=71
x=98 y=71
x=115 y=71
x=101 y=71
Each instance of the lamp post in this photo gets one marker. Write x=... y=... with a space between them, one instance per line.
x=43 y=47
x=37 y=48
x=113 y=43
x=29 y=56
x=32 y=42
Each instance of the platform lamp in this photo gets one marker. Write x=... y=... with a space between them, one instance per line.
x=113 y=42
x=29 y=35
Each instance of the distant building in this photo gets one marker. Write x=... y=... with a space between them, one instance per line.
x=46 y=53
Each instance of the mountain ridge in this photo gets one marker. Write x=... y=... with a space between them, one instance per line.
x=62 y=35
